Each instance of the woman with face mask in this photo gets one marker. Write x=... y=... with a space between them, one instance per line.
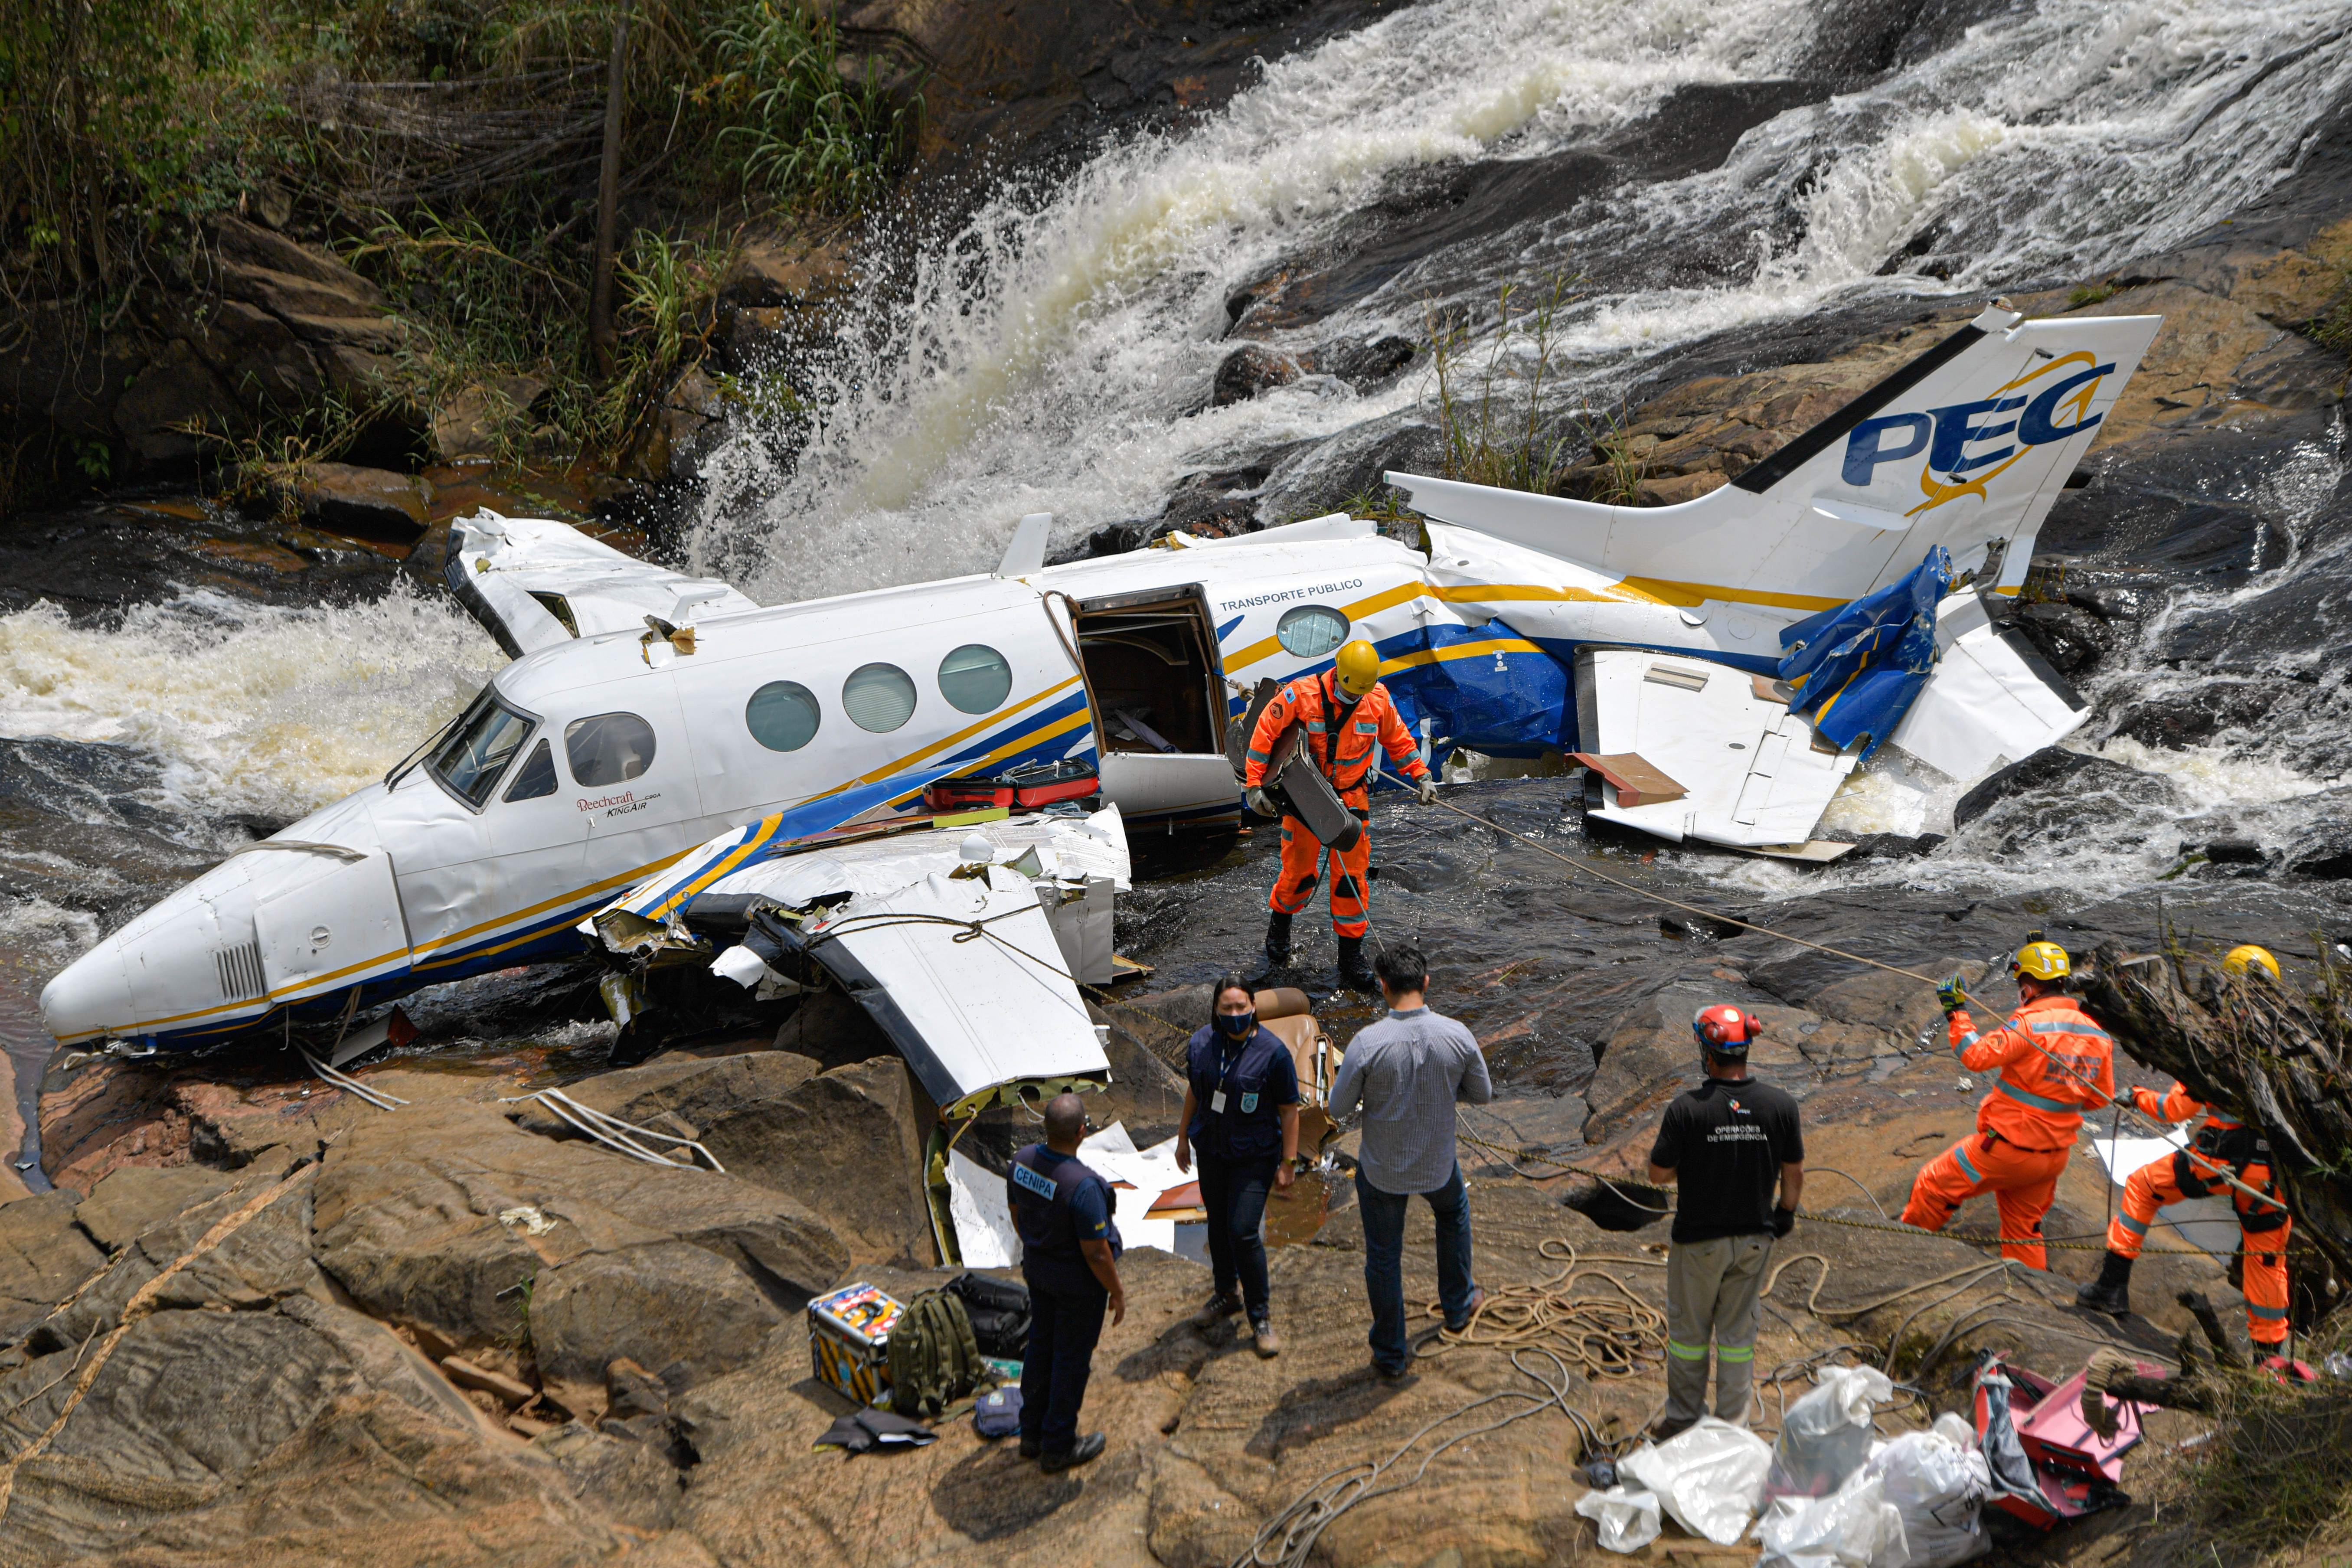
x=1240 y=1118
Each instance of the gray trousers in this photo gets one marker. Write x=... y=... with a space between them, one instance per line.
x=1712 y=1291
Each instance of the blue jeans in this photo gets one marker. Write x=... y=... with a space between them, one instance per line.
x=1063 y=1328
x=1233 y=1194
x=1385 y=1260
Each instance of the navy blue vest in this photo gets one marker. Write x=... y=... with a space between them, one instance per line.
x=1250 y=1127
x=1039 y=1187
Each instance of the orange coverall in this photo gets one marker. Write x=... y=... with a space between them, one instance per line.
x=2025 y=1127
x=2222 y=1146
x=1346 y=759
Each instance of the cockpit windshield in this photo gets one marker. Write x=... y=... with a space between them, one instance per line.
x=478 y=750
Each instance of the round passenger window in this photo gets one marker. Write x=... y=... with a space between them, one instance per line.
x=879 y=697
x=1311 y=631
x=782 y=715
x=609 y=749
x=976 y=679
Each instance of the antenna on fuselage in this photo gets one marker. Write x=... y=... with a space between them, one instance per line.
x=1026 y=553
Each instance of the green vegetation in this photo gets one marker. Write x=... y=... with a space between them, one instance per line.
x=2278 y=1472
x=2091 y=294
x=1495 y=432
x=448 y=149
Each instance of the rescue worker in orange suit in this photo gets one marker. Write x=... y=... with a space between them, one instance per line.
x=1346 y=711
x=2055 y=1064
x=2221 y=1145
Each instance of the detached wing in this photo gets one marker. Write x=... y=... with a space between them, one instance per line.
x=534 y=583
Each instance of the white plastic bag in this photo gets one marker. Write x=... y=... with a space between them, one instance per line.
x=1628 y=1520
x=1853 y=1527
x=1708 y=1477
x=1936 y=1482
x=1825 y=1436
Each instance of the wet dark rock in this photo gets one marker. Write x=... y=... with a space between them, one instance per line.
x=1891 y=847
x=2069 y=637
x=363 y=503
x=2193 y=717
x=1250 y=369
x=1428 y=211
x=1856 y=40
x=2325 y=855
x=2232 y=851
x=2051 y=772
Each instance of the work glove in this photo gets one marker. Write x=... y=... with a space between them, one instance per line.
x=1784 y=1220
x=1264 y=804
x=1949 y=994
x=1428 y=790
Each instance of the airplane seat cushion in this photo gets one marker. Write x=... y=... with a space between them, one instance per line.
x=1283 y=1001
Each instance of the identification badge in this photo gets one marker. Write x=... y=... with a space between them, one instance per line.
x=1249 y=1103
x=1217 y=1102
x=1044 y=1187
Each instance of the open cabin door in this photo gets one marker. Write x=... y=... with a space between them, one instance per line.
x=1155 y=680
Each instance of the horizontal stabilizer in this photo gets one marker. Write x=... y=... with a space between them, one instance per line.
x=1991 y=700
x=1687 y=749
x=534 y=583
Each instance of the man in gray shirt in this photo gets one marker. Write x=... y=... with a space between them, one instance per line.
x=1407 y=1072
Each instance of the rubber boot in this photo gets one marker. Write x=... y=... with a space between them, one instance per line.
x=2111 y=1291
x=1354 y=972
x=1277 y=940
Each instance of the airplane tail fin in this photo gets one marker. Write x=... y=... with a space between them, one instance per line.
x=1966 y=446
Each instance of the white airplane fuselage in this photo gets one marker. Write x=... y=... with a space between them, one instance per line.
x=598 y=757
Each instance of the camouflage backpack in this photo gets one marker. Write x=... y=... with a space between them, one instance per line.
x=934 y=1359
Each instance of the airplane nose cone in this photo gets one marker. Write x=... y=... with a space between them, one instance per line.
x=90 y=997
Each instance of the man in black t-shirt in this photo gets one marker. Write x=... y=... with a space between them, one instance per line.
x=1727 y=1145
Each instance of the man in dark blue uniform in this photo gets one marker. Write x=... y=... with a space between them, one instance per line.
x=1240 y=1117
x=1069 y=1255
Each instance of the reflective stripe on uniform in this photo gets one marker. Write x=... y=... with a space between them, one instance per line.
x=2273 y=1314
x=2136 y=1226
x=2063 y=1027
x=1964 y=1041
x=1734 y=1353
x=1682 y=1352
x=1960 y=1154
x=1258 y=756
x=2039 y=1101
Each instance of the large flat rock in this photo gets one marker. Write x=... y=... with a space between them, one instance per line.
x=445 y=1215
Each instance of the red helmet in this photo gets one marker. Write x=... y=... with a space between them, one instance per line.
x=1724 y=1029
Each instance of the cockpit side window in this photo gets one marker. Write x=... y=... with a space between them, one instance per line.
x=536 y=777
x=608 y=749
x=471 y=761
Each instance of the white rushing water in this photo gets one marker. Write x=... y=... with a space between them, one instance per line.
x=254 y=710
x=1048 y=355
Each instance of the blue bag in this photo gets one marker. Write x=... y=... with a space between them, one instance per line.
x=998 y=1413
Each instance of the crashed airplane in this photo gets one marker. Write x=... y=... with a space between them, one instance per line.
x=1721 y=665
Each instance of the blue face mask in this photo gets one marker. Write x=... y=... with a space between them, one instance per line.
x=1237 y=1026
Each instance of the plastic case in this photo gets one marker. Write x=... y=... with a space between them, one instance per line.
x=849 y=1341
x=1021 y=789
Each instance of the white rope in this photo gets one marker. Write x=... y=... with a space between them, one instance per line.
x=381 y=1098
x=612 y=1132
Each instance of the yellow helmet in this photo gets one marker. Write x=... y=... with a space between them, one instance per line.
x=2238 y=958
x=2041 y=960
x=1358 y=667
